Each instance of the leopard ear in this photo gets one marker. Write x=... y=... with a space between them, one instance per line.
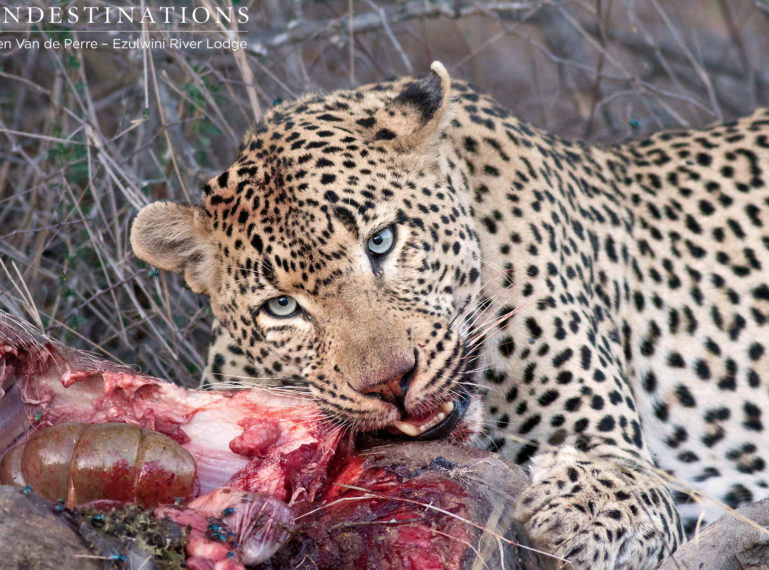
x=412 y=120
x=176 y=238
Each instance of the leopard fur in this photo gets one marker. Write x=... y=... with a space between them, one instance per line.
x=610 y=300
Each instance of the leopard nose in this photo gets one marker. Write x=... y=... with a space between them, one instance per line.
x=392 y=381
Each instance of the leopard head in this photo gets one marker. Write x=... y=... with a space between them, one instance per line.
x=339 y=257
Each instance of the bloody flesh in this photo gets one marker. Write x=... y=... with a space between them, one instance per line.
x=253 y=439
x=414 y=505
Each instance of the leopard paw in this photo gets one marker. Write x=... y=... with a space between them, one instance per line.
x=597 y=512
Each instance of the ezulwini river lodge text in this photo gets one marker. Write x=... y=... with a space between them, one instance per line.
x=126 y=44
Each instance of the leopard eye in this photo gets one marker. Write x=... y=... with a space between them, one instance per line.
x=281 y=307
x=382 y=242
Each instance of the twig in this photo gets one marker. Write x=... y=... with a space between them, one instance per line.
x=695 y=64
x=351 y=33
x=26 y=297
x=389 y=33
x=301 y=31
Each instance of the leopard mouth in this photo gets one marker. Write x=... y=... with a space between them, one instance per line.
x=436 y=424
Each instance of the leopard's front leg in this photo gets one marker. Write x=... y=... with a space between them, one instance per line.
x=599 y=510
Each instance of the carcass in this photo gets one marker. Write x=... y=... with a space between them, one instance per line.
x=280 y=487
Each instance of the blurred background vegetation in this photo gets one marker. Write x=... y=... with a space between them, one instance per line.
x=87 y=137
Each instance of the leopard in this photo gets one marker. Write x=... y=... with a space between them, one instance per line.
x=421 y=262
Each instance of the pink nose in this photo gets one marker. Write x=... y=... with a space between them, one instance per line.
x=391 y=382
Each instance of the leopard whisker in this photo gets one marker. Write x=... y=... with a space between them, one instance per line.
x=476 y=307
x=496 y=322
x=479 y=312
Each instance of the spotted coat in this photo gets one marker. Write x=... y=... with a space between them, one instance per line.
x=608 y=301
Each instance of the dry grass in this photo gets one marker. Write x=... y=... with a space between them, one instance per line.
x=89 y=136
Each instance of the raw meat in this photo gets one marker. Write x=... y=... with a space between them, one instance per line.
x=253 y=439
x=283 y=488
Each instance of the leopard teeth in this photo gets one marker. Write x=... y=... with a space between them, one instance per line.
x=412 y=431
x=447 y=407
x=409 y=429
